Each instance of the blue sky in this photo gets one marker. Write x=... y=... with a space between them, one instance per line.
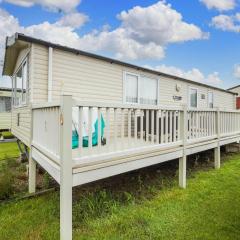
x=196 y=39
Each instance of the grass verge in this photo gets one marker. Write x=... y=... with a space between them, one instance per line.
x=145 y=204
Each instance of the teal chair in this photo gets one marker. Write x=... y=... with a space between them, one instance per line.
x=75 y=137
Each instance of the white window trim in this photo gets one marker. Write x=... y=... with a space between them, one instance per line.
x=22 y=104
x=124 y=86
x=189 y=96
x=125 y=73
x=212 y=98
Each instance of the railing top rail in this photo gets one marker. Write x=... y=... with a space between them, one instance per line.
x=77 y=103
x=229 y=111
x=45 y=105
x=202 y=109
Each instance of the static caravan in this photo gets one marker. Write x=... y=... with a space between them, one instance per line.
x=236 y=89
x=5 y=108
x=86 y=117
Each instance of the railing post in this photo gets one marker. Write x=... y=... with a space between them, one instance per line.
x=66 y=168
x=183 y=159
x=31 y=164
x=217 y=152
x=31 y=173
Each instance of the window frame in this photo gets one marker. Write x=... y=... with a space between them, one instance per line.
x=21 y=67
x=139 y=76
x=189 y=96
x=212 y=99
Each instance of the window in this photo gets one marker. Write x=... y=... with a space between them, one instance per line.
x=5 y=104
x=131 y=86
x=210 y=99
x=193 y=97
x=20 y=82
x=141 y=89
x=148 y=91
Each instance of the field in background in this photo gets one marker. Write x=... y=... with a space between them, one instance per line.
x=8 y=151
x=145 y=204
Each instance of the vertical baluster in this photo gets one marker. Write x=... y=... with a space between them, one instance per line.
x=174 y=126
x=191 y=124
x=122 y=128
x=147 y=125
x=221 y=124
x=178 y=125
x=188 y=125
x=197 y=124
x=162 y=126
x=226 y=125
x=99 y=128
x=212 y=128
x=129 y=126
x=206 y=124
x=202 y=120
x=224 y=122
x=234 y=122
x=135 y=126
x=238 y=123
x=213 y=121
x=108 y=128
x=157 y=126
x=141 y=125
x=152 y=126
x=227 y=121
x=166 y=126
x=170 y=127
x=90 y=129
x=115 y=128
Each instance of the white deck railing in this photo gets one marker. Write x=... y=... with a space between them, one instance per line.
x=130 y=127
x=46 y=130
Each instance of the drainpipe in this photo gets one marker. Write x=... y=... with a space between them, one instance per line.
x=50 y=55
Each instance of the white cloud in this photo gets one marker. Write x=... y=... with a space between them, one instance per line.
x=193 y=74
x=159 y=23
x=221 y=5
x=144 y=32
x=227 y=23
x=237 y=71
x=74 y=20
x=55 y=5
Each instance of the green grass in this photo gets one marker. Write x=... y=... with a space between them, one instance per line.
x=8 y=150
x=7 y=135
x=143 y=205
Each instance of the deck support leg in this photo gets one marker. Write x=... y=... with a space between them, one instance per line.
x=66 y=178
x=31 y=174
x=66 y=211
x=217 y=157
x=183 y=171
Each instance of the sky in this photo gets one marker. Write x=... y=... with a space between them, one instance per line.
x=197 y=39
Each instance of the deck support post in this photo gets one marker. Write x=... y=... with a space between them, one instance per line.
x=217 y=157
x=217 y=150
x=183 y=171
x=66 y=168
x=31 y=174
x=183 y=159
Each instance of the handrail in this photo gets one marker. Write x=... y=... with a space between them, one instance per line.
x=77 y=103
x=45 y=105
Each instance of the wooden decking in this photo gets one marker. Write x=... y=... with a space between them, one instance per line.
x=136 y=137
